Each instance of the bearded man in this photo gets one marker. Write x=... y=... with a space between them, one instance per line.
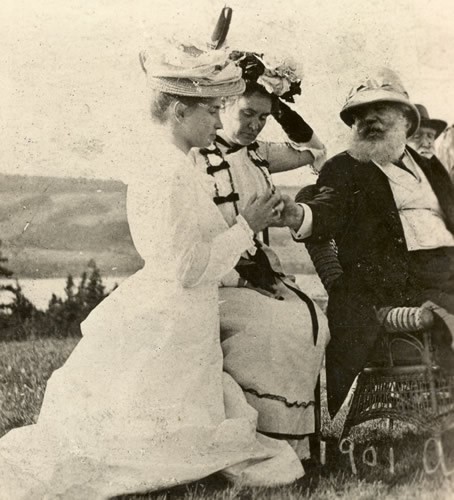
x=423 y=140
x=391 y=214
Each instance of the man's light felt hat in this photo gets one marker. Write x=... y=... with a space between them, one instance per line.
x=186 y=70
x=383 y=86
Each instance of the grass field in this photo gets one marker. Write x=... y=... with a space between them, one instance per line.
x=26 y=366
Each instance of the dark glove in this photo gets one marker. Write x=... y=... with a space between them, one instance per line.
x=258 y=271
x=292 y=123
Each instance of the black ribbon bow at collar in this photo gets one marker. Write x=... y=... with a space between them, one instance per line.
x=233 y=148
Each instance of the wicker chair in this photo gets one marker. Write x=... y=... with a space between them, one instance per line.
x=412 y=389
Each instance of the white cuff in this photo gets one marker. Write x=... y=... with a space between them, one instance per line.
x=241 y=221
x=231 y=279
x=319 y=154
x=305 y=229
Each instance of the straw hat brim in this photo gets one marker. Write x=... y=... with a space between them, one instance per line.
x=378 y=95
x=194 y=88
x=437 y=125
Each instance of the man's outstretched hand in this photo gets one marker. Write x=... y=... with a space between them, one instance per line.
x=292 y=214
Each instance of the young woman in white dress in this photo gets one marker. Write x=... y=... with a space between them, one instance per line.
x=142 y=403
x=273 y=335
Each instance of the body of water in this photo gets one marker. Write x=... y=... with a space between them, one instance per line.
x=39 y=291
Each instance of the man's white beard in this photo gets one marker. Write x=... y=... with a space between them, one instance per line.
x=388 y=148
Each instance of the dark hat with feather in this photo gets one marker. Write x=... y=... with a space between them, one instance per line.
x=280 y=80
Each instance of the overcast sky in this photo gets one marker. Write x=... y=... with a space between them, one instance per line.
x=73 y=100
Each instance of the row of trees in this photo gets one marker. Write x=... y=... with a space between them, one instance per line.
x=20 y=319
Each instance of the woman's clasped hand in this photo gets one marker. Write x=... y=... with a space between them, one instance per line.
x=264 y=210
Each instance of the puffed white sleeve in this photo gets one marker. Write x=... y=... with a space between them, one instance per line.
x=168 y=232
x=204 y=258
x=284 y=156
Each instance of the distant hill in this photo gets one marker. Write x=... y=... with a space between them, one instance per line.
x=52 y=226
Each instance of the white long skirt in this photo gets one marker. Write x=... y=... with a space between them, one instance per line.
x=142 y=404
x=269 y=350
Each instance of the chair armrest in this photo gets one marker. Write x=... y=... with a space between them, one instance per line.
x=405 y=319
x=396 y=319
x=326 y=263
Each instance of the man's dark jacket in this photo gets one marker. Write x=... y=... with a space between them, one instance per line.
x=363 y=220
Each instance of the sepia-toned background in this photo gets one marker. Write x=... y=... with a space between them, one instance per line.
x=72 y=98
x=73 y=102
